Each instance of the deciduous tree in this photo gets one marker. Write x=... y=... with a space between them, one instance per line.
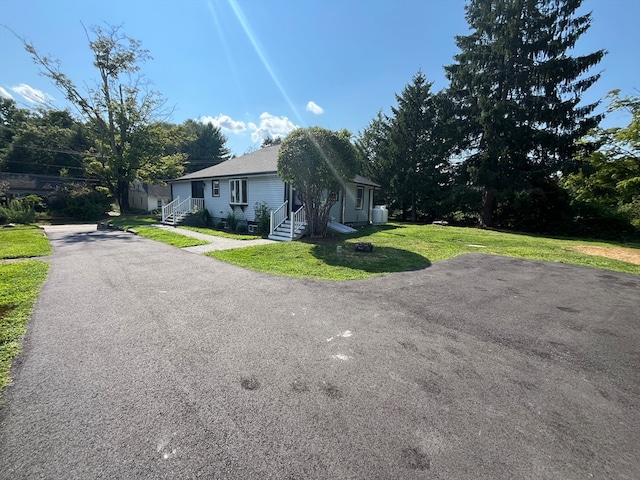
x=318 y=162
x=119 y=109
x=608 y=179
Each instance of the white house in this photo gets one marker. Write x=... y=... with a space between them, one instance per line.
x=143 y=196
x=240 y=183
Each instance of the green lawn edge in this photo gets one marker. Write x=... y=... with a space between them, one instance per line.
x=23 y=241
x=20 y=284
x=402 y=247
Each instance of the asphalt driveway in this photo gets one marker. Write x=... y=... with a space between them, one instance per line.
x=145 y=361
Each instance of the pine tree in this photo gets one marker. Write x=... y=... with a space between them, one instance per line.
x=517 y=92
x=407 y=152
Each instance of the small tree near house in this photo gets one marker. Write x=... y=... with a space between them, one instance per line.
x=317 y=162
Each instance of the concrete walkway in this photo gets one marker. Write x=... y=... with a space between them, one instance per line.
x=215 y=242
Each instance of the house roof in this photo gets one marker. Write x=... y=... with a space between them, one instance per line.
x=158 y=190
x=263 y=161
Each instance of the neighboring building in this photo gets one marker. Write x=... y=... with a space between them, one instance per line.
x=45 y=186
x=143 y=196
x=237 y=185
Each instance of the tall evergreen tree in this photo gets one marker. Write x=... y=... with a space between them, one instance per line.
x=205 y=146
x=407 y=153
x=374 y=157
x=412 y=120
x=517 y=90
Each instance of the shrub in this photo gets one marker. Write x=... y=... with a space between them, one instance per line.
x=205 y=218
x=220 y=225
x=82 y=202
x=232 y=221
x=263 y=218
x=18 y=210
x=241 y=228
x=36 y=202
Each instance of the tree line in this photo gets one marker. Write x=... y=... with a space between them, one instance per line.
x=55 y=142
x=508 y=142
x=118 y=132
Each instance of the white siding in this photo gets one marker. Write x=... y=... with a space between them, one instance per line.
x=181 y=189
x=351 y=215
x=267 y=188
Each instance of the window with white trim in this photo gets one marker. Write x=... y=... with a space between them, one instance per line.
x=215 y=188
x=359 y=198
x=238 y=191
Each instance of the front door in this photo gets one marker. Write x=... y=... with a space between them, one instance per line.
x=197 y=189
x=294 y=205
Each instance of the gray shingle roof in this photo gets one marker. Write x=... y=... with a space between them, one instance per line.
x=264 y=160
x=261 y=161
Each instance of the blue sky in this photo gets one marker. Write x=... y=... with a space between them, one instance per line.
x=264 y=67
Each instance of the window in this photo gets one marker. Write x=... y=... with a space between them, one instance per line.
x=159 y=203
x=359 y=198
x=238 y=191
x=215 y=188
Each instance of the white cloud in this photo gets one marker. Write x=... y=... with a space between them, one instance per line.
x=226 y=123
x=271 y=126
x=313 y=107
x=5 y=94
x=30 y=94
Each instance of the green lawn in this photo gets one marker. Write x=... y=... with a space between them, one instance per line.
x=400 y=247
x=168 y=237
x=19 y=287
x=132 y=221
x=223 y=233
x=142 y=225
x=23 y=241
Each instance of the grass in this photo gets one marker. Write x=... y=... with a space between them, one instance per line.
x=142 y=225
x=222 y=233
x=168 y=237
x=400 y=247
x=19 y=287
x=23 y=241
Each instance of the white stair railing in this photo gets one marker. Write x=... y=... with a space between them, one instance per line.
x=298 y=219
x=182 y=209
x=197 y=204
x=174 y=211
x=168 y=209
x=278 y=217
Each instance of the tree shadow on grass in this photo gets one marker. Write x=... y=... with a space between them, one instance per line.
x=380 y=261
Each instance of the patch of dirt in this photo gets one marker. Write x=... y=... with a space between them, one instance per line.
x=629 y=255
x=250 y=383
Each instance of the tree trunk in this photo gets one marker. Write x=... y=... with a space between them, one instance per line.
x=404 y=210
x=488 y=208
x=414 y=210
x=123 y=197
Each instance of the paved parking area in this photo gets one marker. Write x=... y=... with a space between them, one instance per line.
x=145 y=361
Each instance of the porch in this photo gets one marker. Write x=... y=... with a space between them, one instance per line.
x=173 y=213
x=286 y=225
